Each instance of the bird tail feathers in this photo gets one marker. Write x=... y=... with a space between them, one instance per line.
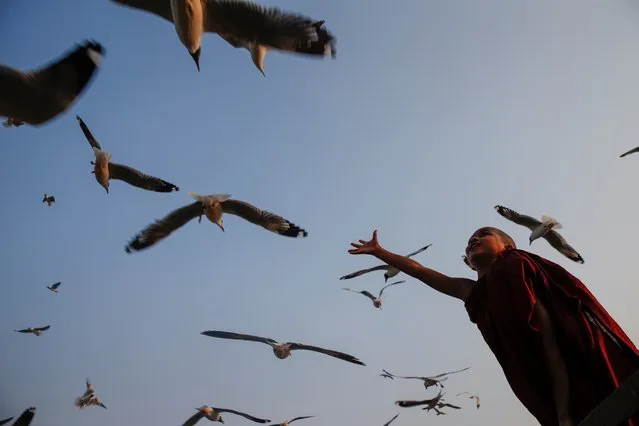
x=547 y=219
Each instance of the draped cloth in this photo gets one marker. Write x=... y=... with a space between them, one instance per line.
x=597 y=353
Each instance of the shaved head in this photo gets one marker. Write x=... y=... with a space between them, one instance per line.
x=505 y=238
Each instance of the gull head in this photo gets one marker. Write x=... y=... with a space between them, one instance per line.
x=196 y=57
x=377 y=303
x=386 y=277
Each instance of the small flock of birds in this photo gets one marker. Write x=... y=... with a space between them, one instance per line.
x=39 y=96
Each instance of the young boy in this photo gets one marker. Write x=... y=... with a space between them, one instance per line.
x=561 y=352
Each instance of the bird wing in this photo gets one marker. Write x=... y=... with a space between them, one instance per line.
x=193 y=419
x=239 y=336
x=24 y=330
x=234 y=41
x=412 y=403
x=26 y=417
x=299 y=418
x=162 y=228
x=447 y=404
x=560 y=244
x=388 y=285
x=263 y=218
x=136 y=178
x=161 y=8
x=418 y=251
x=45 y=328
x=520 y=219
x=268 y=26
x=391 y=420
x=632 y=151
x=56 y=285
x=330 y=352
x=50 y=90
x=87 y=134
x=450 y=372
x=5 y=421
x=239 y=413
x=364 y=271
x=364 y=292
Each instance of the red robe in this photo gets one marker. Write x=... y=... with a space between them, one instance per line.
x=597 y=353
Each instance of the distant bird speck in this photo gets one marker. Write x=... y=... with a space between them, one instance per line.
x=54 y=287
x=377 y=301
x=49 y=199
x=34 y=330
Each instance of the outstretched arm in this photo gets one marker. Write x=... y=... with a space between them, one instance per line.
x=459 y=288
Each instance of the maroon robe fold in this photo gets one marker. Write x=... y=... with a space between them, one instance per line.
x=597 y=353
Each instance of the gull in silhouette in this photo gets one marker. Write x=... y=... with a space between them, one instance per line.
x=49 y=199
x=391 y=420
x=632 y=151
x=5 y=421
x=214 y=415
x=243 y=24
x=471 y=396
x=54 y=287
x=291 y=421
x=281 y=350
x=213 y=207
x=428 y=381
x=37 y=330
x=390 y=271
x=105 y=170
x=436 y=404
x=24 y=420
x=38 y=96
x=377 y=301
x=550 y=235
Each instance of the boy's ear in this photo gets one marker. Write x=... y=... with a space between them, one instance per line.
x=468 y=263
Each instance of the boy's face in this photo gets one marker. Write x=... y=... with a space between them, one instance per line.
x=483 y=246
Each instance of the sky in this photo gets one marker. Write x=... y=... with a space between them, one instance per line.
x=432 y=113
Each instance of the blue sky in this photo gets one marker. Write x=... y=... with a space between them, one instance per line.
x=433 y=112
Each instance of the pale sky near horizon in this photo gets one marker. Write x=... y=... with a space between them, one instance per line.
x=432 y=113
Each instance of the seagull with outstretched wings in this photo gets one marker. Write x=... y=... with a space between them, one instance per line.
x=105 y=170
x=390 y=271
x=38 y=96
x=292 y=420
x=213 y=207
x=282 y=350
x=243 y=24
x=552 y=236
x=471 y=396
x=428 y=381
x=214 y=415
x=54 y=287
x=377 y=301
x=34 y=330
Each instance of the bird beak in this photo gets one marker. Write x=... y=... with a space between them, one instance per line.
x=221 y=226
x=107 y=190
x=196 y=57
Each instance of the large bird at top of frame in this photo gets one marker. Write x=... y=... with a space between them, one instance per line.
x=243 y=24
x=554 y=239
x=105 y=170
x=38 y=96
x=213 y=207
x=282 y=350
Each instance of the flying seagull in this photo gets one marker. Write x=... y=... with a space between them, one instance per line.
x=243 y=24
x=49 y=199
x=37 y=331
x=214 y=415
x=213 y=207
x=377 y=301
x=37 y=96
x=281 y=350
x=390 y=271
x=391 y=420
x=471 y=396
x=428 y=381
x=552 y=236
x=291 y=421
x=25 y=418
x=632 y=151
x=435 y=403
x=54 y=287
x=105 y=170
x=89 y=397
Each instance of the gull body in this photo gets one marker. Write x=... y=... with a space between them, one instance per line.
x=547 y=225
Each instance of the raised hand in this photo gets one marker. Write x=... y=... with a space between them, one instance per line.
x=366 y=247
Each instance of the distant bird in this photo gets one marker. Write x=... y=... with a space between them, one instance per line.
x=391 y=420
x=428 y=381
x=435 y=403
x=213 y=207
x=54 y=287
x=49 y=199
x=37 y=96
x=282 y=350
x=390 y=271
x=552 y=236
x=471 y=396
x=242 y=24
x=89 y=397
x=37 y=331
x=632 y=151
x=291 y=421
x=105 y=170
x=214 y=415
x=377 y=301
x=25 y=418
